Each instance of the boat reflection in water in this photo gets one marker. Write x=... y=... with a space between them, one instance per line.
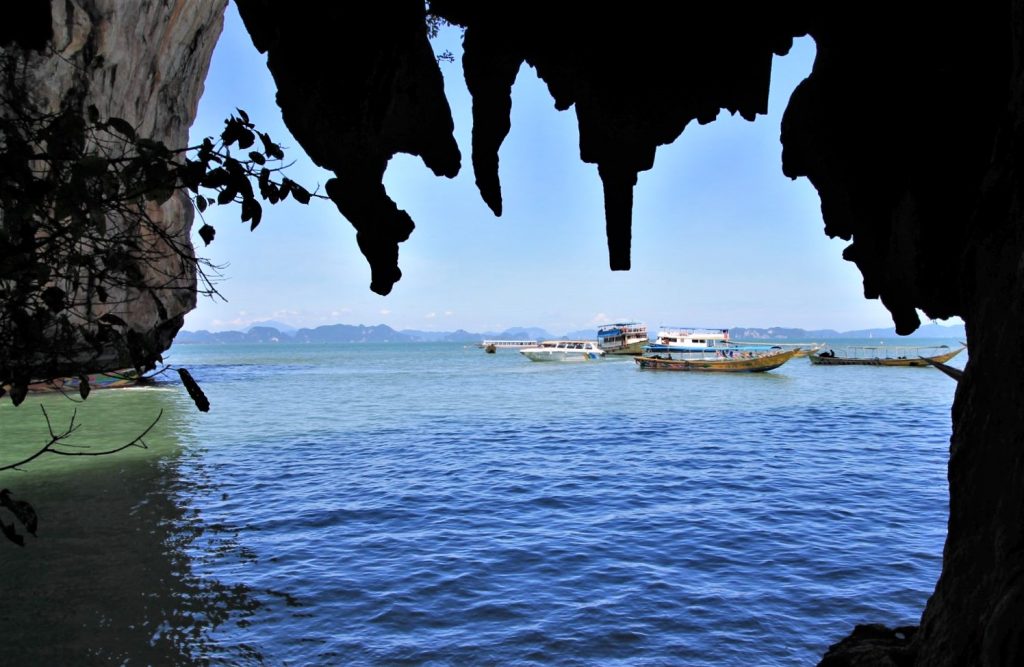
x=112 y=577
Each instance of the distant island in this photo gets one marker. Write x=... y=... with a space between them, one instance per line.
x=381 y=333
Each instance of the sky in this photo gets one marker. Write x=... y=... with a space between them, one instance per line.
x=721 y=238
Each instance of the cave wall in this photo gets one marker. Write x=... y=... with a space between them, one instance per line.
x=910 y=127
x=910 y=144
x=358 y=83
x=144 y=62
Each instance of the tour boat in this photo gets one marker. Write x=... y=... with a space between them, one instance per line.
x=688 y=339
x=718 y=361
x=564 y=350
x=623 y=338
x=885 y=355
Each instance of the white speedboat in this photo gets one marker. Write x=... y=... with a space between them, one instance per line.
x=623 y=338
x=564 y=350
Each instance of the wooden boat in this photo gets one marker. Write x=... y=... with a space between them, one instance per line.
x=719 y=362
x=885 y=355
x=111 y=380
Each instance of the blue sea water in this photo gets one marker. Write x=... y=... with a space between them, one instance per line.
x=431 y=504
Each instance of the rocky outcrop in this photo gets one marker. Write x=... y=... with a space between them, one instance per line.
x=914 y=148
x=144 y=62
x=872 y=646
x=372 y=88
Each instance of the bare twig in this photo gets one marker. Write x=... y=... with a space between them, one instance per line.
x=58 y=438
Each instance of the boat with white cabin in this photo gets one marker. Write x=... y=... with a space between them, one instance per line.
x=564 y=350
x=690 y=339
x=623 y=338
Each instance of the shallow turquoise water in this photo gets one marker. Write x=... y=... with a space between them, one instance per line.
x=430 y=504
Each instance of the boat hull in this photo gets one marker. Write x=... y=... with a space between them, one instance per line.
x=632 y=349
x=566 y=356
x=919 y=362
x=111 y=380
x=757 y=364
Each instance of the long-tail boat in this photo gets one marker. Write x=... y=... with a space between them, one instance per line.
x=885 y=355
x=109 y=380
x=727 y=361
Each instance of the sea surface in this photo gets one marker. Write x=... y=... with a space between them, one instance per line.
x=430 y=504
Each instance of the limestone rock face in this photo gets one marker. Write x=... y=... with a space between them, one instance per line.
x=358 y=83
x=144 y=61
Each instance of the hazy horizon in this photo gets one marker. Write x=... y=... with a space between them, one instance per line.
x=652 y=329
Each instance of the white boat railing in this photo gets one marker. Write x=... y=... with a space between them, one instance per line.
x=508 y=344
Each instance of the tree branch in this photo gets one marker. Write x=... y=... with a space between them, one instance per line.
x=57 y=438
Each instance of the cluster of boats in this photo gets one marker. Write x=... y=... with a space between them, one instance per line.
x=696 y=349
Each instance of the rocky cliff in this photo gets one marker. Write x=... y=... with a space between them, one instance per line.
x=144 y=62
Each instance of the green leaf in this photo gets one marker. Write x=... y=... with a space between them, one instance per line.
x=206 y=232
x=54 y=298
x=246 y=138
x=21 y=510
x=18 y=392
x=215 y=178
x=111 y=318
x=191 y=174
x=251 y=210
x=93 y=165
x=122 y=127
x=201 y=203
x=257 y=157
x=153 y=146
x=271 y=149
x=160 y=194
x=264 y=182
x=83 y=386
x=12 y=534
x=300 y=193
x=232 y=127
